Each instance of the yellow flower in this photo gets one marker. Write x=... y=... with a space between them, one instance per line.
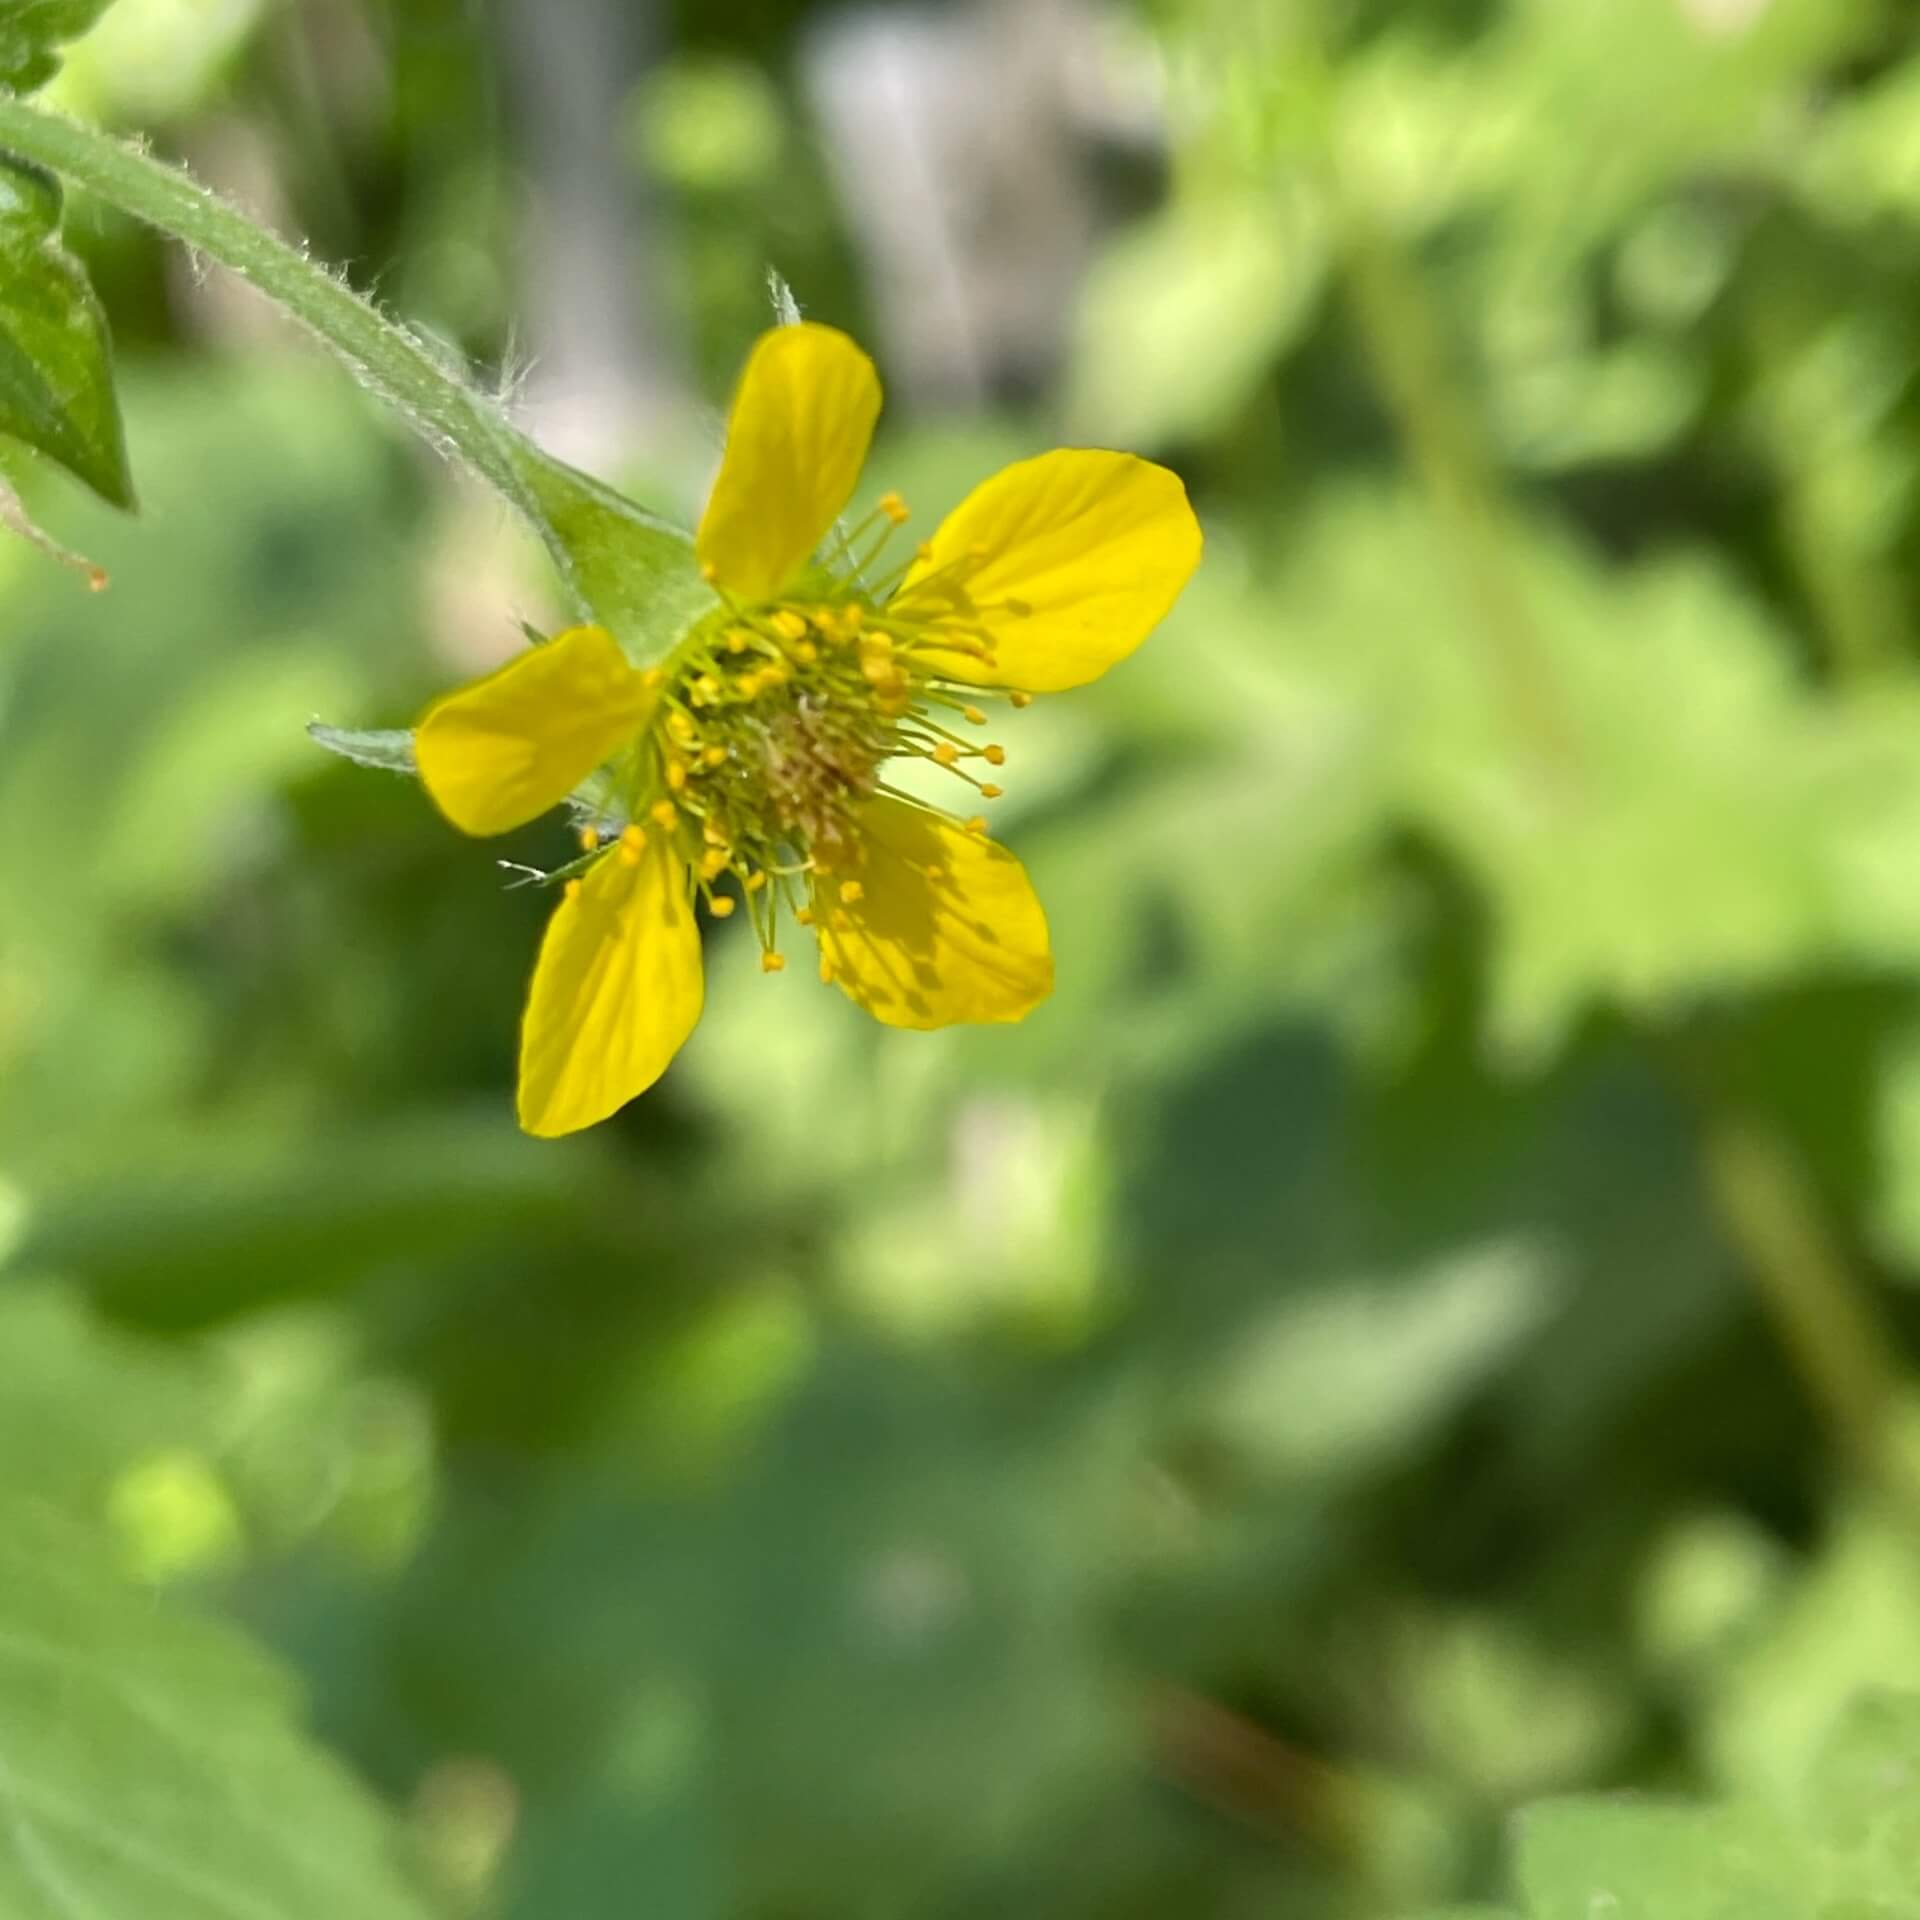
x=758 y=749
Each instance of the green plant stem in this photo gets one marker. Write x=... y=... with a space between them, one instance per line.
x=387 y=359
x=1826 y=1319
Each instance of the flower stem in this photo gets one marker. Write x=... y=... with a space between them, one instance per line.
x=390 y=361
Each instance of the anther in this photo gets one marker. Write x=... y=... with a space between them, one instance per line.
x=895 y=508
x=632 y=840
x=756 y=880
x=852 y=890
x=572 y=889
x=676 y=775
x=771 y=962
x=789 y=625
x=945 y=754
x=652 y=678
x=826 y=971
x=721 y=905
x=714 y=862
x=665 y=812
x=709 y=572
x=589 y=838
x=974 y=717
x=1020 y=699
x=715 y=756
x=978 y=824
x=990 y=792
x=804 y=915
x=994 y=756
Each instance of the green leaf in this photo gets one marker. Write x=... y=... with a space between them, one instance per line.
x=30 y=30
x=388 y=748
x=1841 y=1842
x=56 y=370
x=150 y=1763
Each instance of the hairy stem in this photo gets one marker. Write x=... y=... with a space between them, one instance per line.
x=390 y=361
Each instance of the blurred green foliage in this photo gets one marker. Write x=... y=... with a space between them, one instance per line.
x=1420 y=1325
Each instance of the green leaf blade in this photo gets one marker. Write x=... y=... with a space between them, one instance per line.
x=56 y=363
x=150 y=1764
x=32 y=30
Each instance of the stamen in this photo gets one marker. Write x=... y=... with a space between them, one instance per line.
x=895 y=508
x=994 y=756
x=589 y=838
x=851 y=891
x=720 y=906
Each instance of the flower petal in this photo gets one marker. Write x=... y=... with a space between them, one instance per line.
x=797 y=438
x=1064 y=563
x=501 y=751
x=616 y=992
x=945 y=927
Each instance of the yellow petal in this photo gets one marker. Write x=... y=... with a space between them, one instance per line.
x=1063 y=564
x=968 y=943
x=797 y=438
x=502 y=751
x=616 y=992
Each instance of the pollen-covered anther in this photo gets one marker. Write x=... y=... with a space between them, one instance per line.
x=589 y=839
x=677 y=775
x=804 y=915
x=990 y=792
x=714 y=757
x=826 y=971
x=714 y=862
x=665 y=812
x=789 y=625
x=707 y=691
x=737 y=640
x=994 y=756
x=851 y=891
x=632 y=841
x=895 y=508
x=771 y=962
x=756 y=880
x=946 y=754
x=977 y=825
x=1020 y=699
x=974 y=716
x=721 y=906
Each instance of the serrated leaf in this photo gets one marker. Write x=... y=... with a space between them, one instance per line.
x=56 y=366
x=388 y=748
x=30 y=30
x=150 y=1762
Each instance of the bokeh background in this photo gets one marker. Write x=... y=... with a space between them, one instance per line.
x=1423 y=1320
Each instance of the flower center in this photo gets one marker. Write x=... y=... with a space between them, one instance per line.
x=775 y=722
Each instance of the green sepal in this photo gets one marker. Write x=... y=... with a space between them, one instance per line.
x=628 y=569
x=388 y=748
x=31 y=30
x=56 y=361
